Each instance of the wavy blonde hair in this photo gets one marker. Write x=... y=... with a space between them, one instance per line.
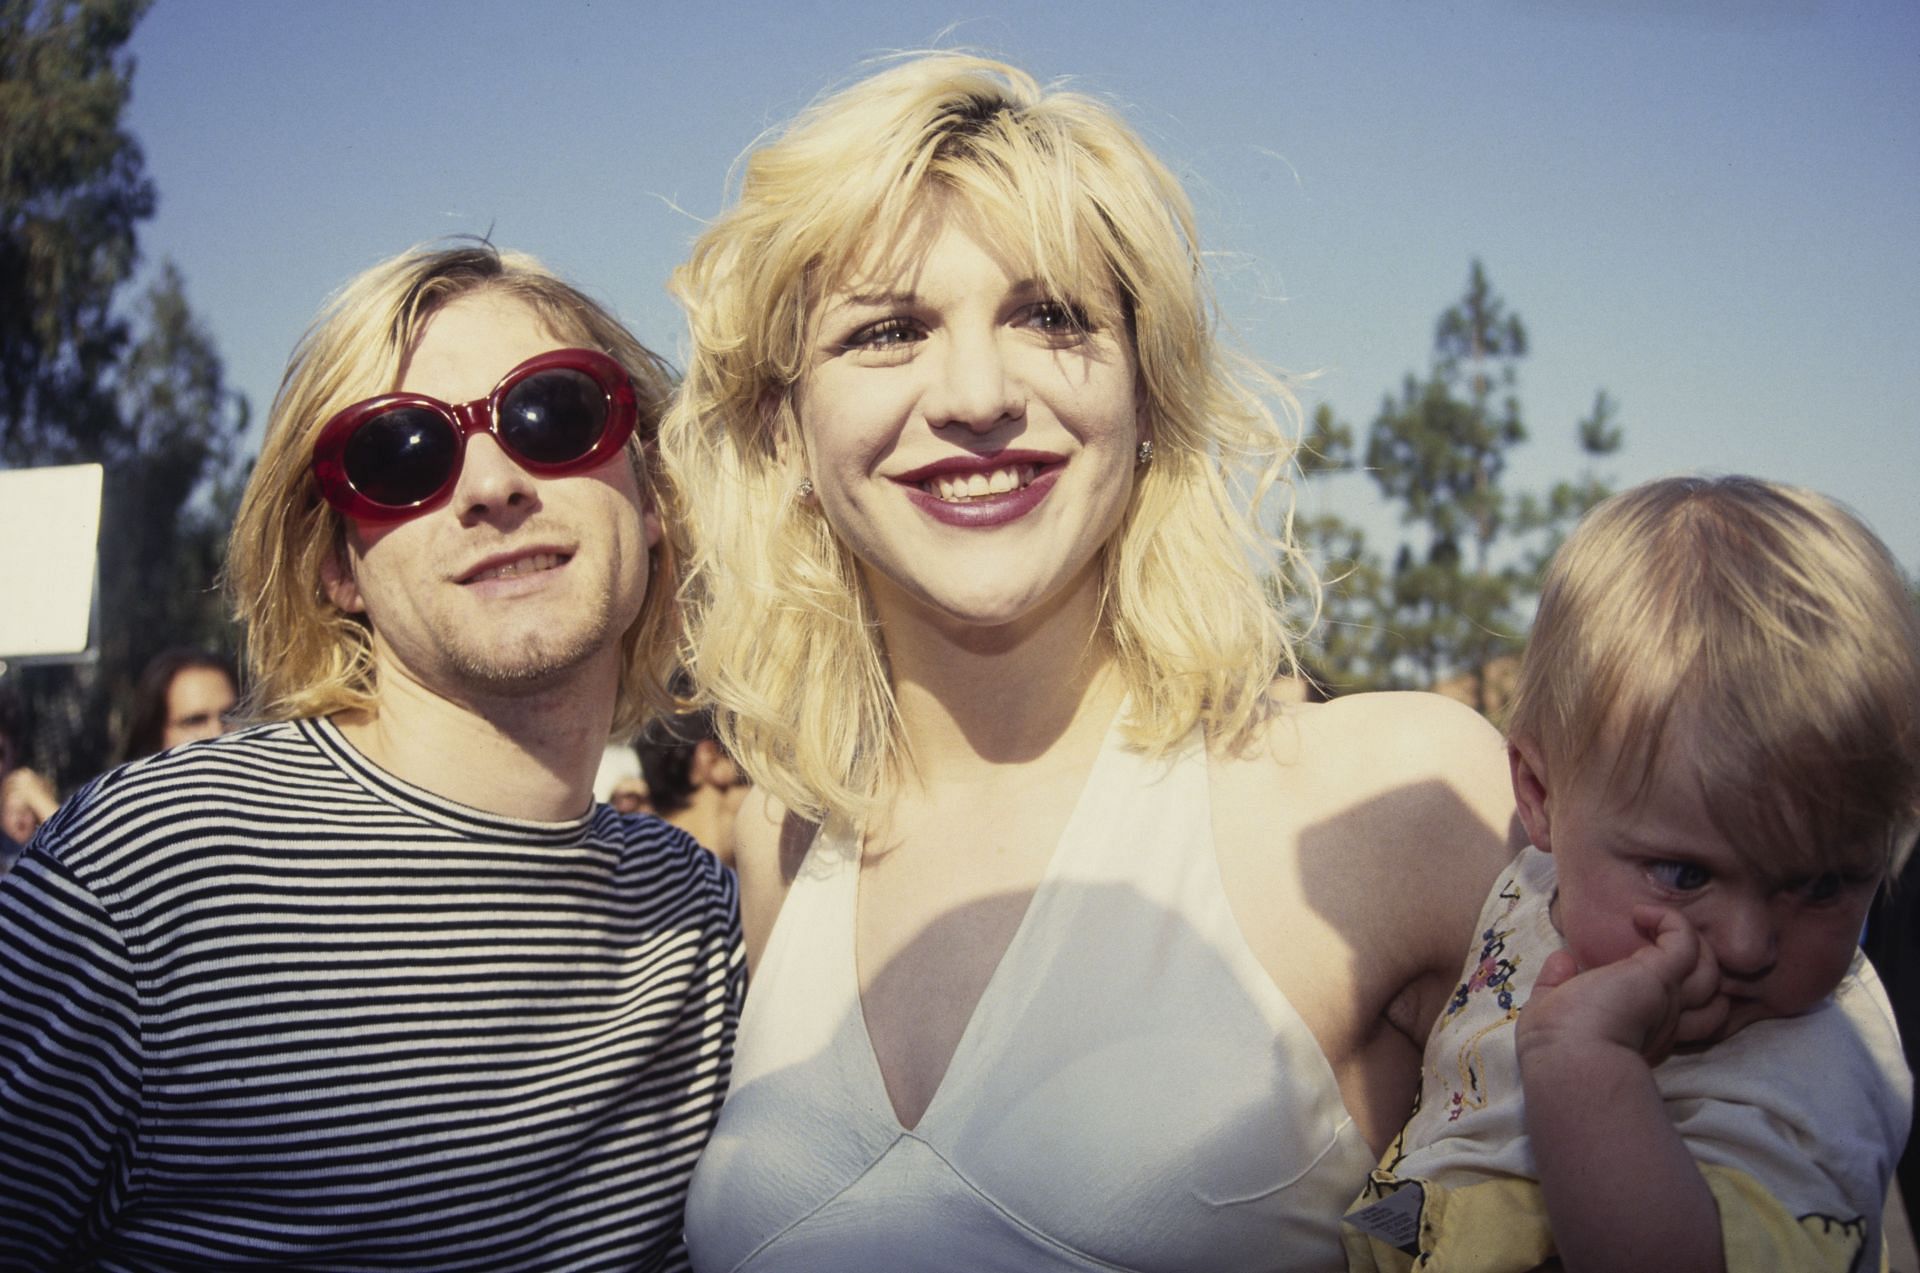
x=305 y=656
x=782 y=639
x=1756 y=634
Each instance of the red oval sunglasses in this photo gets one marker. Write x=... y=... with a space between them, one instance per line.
x=393 y=457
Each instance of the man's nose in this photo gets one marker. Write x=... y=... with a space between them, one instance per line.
x=491 y=481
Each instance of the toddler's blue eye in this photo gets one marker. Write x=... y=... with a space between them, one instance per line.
x=1681 y=877
x=1822 y=888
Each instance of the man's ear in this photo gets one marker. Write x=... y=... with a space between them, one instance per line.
x=1530 y=792
x=336 y=577
x=638 y=458
x=650 y=522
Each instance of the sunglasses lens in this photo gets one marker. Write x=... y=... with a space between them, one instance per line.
x=400 y=457
x=554 y=416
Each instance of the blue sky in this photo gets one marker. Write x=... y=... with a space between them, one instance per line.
x=1710 y=208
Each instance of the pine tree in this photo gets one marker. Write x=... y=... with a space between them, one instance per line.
x=1454 y=598
x=82 y=379
x=1339 y=654
x=72 y=190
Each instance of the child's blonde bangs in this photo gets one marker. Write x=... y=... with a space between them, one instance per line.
x=1754 y=635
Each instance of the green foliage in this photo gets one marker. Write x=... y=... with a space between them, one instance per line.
x=71 y=192
x=1451 y=600
x=82 y=379
x=1564 y=505
x=1441 y=455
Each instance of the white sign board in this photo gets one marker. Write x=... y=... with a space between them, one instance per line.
x=49 y=547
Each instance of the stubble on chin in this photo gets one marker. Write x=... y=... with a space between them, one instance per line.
x=537 y=657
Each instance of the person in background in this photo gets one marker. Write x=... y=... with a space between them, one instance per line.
x=691 y=781
x=376 y=983
x=182 y=695
x=26 y=799
x=1073 y=949
x=632 y=795
x=619 y=772
x=1893 y=945
x=1666 y=1049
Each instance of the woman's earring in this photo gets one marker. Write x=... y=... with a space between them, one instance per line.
x=804 y=491
x=1143 y=454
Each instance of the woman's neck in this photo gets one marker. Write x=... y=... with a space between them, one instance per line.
x=975 y=699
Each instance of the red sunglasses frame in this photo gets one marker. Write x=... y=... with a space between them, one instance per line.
x=482 y=415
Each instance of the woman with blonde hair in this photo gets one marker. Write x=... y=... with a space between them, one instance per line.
x=1071 y=947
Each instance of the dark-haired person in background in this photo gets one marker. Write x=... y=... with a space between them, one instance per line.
x=689 y=780
x=182 y=695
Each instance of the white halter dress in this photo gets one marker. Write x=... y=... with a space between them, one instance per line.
x=1132 y=1092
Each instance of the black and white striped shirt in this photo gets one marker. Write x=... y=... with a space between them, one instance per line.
x=264 y=1003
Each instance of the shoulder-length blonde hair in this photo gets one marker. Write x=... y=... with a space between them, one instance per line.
x=305 y=656
x=782 y=639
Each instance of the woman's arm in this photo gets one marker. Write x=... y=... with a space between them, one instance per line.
x=1357 y=846
x=1438 y=825
x=769 y=845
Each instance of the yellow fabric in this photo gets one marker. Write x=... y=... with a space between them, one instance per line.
x=1500 y=1226
x=1493 y=1226
x=1758 y=1234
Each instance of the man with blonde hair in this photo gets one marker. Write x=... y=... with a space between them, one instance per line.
x=374 y=983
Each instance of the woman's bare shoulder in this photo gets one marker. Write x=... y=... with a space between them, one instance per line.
x=1400 y=806
x=1357 y=840
x=1399 y=736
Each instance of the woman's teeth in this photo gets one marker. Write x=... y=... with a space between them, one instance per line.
x=958 y=488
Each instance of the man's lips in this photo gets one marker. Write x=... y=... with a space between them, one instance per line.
x=510 y=565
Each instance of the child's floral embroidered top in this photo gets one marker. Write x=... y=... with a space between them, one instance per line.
x=1796 y=1122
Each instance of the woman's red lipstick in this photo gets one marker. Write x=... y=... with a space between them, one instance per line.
x=989 y=510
